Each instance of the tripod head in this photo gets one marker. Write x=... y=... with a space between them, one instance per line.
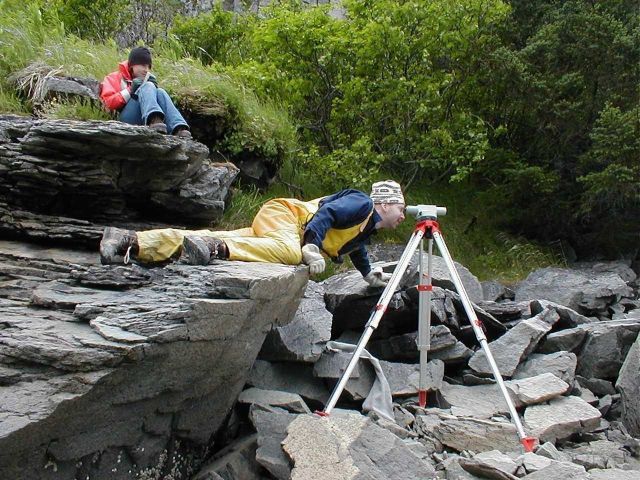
x=424 y=212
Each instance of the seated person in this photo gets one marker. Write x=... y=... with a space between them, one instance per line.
x=285 y=230
x=133 y=92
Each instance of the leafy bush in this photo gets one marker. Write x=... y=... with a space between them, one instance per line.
x=217 y=35
x=560 y=98
x=97 y=20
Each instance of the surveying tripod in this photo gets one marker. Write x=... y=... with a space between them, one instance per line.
x=426 y=226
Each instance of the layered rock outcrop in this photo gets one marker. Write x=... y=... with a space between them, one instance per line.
x=114 y=372
x=63 y=180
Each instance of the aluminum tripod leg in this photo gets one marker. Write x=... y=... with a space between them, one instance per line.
x=527 y=442
x=425 y=289
x=375 y=317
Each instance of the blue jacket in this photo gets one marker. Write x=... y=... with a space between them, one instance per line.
x=343 y=210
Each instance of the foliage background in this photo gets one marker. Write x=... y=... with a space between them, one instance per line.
x=525 y=115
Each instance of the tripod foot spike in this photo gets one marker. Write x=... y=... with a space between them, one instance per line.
x=422 y=398
x=529 y=443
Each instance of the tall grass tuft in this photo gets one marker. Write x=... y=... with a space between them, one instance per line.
x=75 y=109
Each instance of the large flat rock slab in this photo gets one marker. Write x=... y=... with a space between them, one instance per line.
x=467 y=433
x=561 y=418
x=105 y=362
x=349 y=446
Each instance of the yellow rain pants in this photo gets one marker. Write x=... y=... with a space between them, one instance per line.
x=275 y=235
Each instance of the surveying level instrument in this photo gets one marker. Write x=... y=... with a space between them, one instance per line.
x=426 y=226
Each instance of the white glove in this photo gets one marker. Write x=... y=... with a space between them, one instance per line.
x=377 y=278
x=311 y=256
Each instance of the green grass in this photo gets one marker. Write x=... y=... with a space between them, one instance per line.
x=32 y=35
x=11 y=103
x=76 y=109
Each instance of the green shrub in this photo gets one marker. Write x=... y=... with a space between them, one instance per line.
x=217 y=35
x=97 y=20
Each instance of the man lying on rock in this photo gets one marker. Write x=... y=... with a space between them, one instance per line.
x=285 y=230
x=133 y=92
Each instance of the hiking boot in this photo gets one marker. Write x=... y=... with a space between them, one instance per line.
x=117 y=245
x=182 y=132
x=155 y=122
x=201 y=250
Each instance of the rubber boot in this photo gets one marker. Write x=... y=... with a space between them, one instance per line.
x=202 y=250
x=117 y=245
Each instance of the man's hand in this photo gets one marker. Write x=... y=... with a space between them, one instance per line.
x=311 y=256
x=152 y=79
x=135 y=85
x=377 y=278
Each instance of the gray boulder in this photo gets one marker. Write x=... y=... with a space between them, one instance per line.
x=568 y=318
x=404 y=347
x=442 y=278
x=621 y=268
x=303 y=339
x=404 y=378
x=493 y=464
x=493 y=290
x=605 y=347
x=560 y=364
x=584 y=292
x=288 y=377
x=486 y=401
x=290 y=402
x=561 y=418
x=515 y=345
x=549 y=450
x=532 y=462
x=348 y=446
x=272 y=430
x=351 y=300
x=612 y=474
x=332 y=365
x=598 y=454
x=66 y=87
x=480 y=401
x=465 y=433
x=235 y=462
x=598 y=386
x=507 y=310
x=568 y=340
x=628 y=384
x=559 y=470
x=537 y=389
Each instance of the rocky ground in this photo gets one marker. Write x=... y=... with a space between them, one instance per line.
x=565 y=340
x=178 y=372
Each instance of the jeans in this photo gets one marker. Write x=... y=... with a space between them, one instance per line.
x=152 y=100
